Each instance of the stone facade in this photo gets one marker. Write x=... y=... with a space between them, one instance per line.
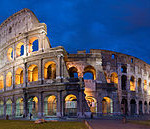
x=46 y=82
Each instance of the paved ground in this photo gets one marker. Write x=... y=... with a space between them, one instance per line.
x=114 y=124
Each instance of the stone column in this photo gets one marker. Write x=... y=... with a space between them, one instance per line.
x=4 y=107
x=25 y=78
x=25 y=112
x=13 y=107
x=59 y=104
x=40 y=105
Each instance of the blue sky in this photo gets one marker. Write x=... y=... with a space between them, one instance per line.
x=117 y=25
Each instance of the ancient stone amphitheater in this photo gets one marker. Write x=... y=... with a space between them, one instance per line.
x=48 y=82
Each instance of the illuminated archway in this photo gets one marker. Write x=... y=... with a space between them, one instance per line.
x=132 y=83
x=50 y=106
x=9 y=79
x=33 y=73
x=33 y=106
x=19 y=76
x=70 y=105
x=114 y=78
x=50 y=70
x=1 y=108
x=73 y=72
x=92 y=103
x=19 y=107
x=33 y=44
x=89 y=73
x=145 y=85
x=10 y=54
x=9 y=107
x=107 y=105
x=1 y=82
x=20 y=49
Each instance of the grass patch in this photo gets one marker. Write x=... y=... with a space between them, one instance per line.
x=19 y=124
x=146 y=122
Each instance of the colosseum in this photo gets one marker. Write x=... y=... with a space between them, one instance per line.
x=49 y=82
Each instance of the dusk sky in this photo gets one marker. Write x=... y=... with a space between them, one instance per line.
x=117 y=25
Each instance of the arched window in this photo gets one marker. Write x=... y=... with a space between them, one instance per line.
x=123 y=69
x=1 y=82
x=139 y=84
x=50 y=106
x=50 y=70
x=19 y=76
x=33 y=73
x=33 y=106
x=92 y=103
x=89 y=73
x=10 y=54
x=123 y=82
x=19 y=107
x=33 y=44
x=145 y=85
x=20 y=49
x=70 y=105
x=132 y=83
x=9 y=107
x=9 y=79
x=114 y=78
x=107 y=105
x=73 y=72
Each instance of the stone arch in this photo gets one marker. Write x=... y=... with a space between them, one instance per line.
x=9 y=107
x=92 y=103
x=33 y=44
x=114 y=78
x=145 y=85
x=89 y=73
x=10 y=54
x=133 y=106
x=107 y=105
x=139 y=84
x=9 y=79
x=73 y=72
x=1 y=108
x=145 y=107
x=33 y=105
x=132 y=83
x=124 y=69
x=140 y=107
x=50 y=105
x=32 y=73
x=1 y=82
x=19 y=107
x=124 y=106
x=20 y=49
x=123 y=82
x=50 y=70
x=19 y=76
x=70 y=105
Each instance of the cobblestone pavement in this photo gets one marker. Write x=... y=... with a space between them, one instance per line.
x=115 y=124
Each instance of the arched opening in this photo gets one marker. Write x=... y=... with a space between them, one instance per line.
x=132 y=83
x=124 y=106
x=140 y=108
x=73 y=72
x=145 y=107
x=89 y=73
x=19 y=107
x=20 y=49
x=9 y=79
x=19 y=76
x=70 y=105
x=107 y=105
x=1 y=82
x=92 y=103
x=50 y=70
x=133 y=106
x=10 y=54
x=33 y=106
x=1 y=108
x=33 y=73
x=139 y=84
x=114 y=78
x=123 y=69
x=123 y=82
x=9 y=107
x=50 y=106
x=33 y=44
x=145 y=85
